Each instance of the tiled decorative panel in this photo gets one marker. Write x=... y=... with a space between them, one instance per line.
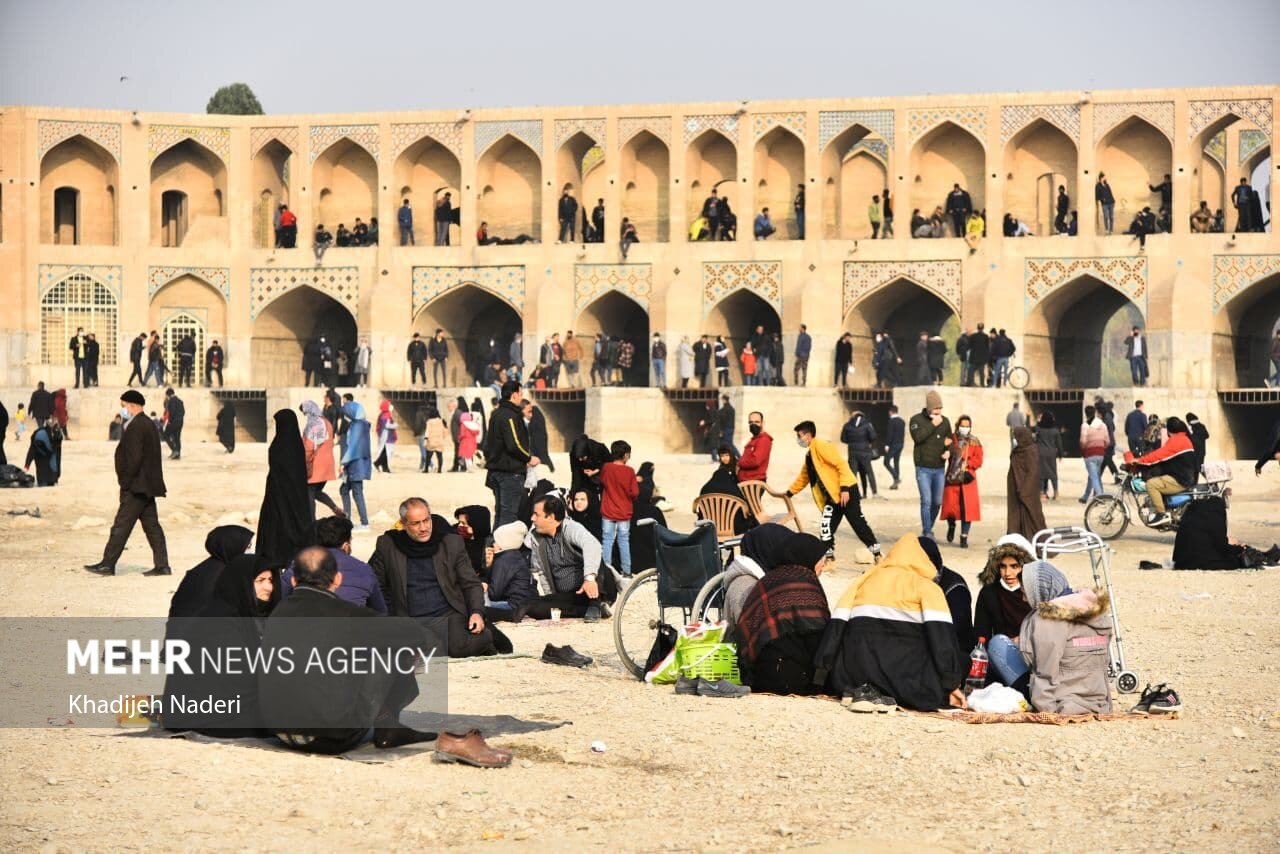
x=592 y=158
x=972 y=119
x=1126 y=275
x=659 y=126
x=1065 y=117
x=832 y=124
x=1233 y=273
x=721 y=278
x=1107 y=116
x=161 y=138
x=268 y=283
x=762 y=123
x=528 y=131
x=877 y=147
x=448 y=134
x=725 y=123
x=592 y=280
x=109 y=276
x=1217 y=148
x=323 y=136
x=105 y=134
x=258 y=137
x=566 y=128
x=218 y=277
x=504 y=281
x=939 y=277
x=1201 y=114
x=1250 y=142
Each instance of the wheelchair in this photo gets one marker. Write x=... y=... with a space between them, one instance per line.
x=685 y=565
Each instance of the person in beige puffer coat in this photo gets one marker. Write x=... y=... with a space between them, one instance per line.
x=1065 y=642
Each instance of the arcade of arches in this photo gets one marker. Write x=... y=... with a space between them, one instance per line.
x=478 y=325
x=735 y=317
x=616 y=316
x=285 y=326
x=904 y=310
x=1074 y=338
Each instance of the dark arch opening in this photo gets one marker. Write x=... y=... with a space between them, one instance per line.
x=284 y=328
x=479 y=327
x=616 y=315
x=1254 y=318
x=736 y=317
x=1084 y=325
x=905 y=309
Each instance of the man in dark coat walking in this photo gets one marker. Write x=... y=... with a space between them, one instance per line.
x=177 y=412
x=979 y=356
x=40 y=406
x=702 y=361
x=136 y=349
x=186 y=351
x=141 y=477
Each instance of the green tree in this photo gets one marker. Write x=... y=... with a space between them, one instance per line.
x=236 y=99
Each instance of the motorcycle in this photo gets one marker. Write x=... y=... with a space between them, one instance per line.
x=1109 y=516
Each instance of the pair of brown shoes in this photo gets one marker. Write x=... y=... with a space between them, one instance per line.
x=470 y=749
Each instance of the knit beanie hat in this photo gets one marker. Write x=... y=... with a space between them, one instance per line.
x=510 y=536
x=1042 y=581
x=932 y=400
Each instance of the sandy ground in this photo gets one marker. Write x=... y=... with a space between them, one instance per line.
x=680 y=772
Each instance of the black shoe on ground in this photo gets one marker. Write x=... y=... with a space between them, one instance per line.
x=951 y=533
x=592 y=615
x=721 y=688
x=159 y=570
x=101 y=568
x=1143 y=706
x=964 y=541
x=1165 y=701
x=686 y=686
x=565 y=656
x=862 y=699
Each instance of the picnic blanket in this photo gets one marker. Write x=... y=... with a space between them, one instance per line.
x=1040 y=717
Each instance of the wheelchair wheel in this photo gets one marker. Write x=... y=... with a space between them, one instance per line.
x=1127 y=682
x=1019 y=377
x=636 y=615
x=710 y=601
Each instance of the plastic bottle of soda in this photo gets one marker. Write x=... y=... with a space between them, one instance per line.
x=977 y=668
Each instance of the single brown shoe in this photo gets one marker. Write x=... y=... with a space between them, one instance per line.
x=470 y=749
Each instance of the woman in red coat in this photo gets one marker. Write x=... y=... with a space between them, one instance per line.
x=960 y=501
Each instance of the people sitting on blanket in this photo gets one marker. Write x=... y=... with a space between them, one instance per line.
x=510 y=585
x=956 y=591
x=1062 y=654
x=890 y=640
x=756 y=554
x=783 y=620
x=424 y=572
x=359 y=585
x=1202 y=541
x=333 y=712
x=1001 y=605
x=566 y=563
x=1173 y=468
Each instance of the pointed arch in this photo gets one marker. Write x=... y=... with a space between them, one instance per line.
x=1135 y=155
x=852 y=172
x=711 y=161
x=78 y=298
x=576 y=159
x=779 y=157
x=735 y=316
x=344 y=181
x=645 y=174
x=424 y=171
x=271 y=165
x=1074 y=336
x=513 y=205
x=188 y=188
x=88 y=218
x=472 y=316
x=904 y=307
x=617 y=314
x=948 y=154
x=289 y=321
x=1038 y=159
x=188 y=291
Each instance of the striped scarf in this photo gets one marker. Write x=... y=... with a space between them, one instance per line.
x=788 y=601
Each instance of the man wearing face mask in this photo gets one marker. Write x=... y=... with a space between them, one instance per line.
x=931 y=432
x=141 y=479
x=754 y=463
x=831 y=482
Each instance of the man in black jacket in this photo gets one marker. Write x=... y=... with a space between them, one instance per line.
x=959 y=206
x=424 y=572
x=507 y=454
x=177 y=412
x=416 y=355
x=438 y=351
x=186 y=351
x=597 y=220
x=979 y=356
x=702 y=361
x=860 y=435
x=136 y=349
x=568 y=214
x=40 y=407
x=213 y=361
x=895 y=439
x=141 y=477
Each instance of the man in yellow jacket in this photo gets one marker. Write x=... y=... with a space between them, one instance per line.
x=832 y=484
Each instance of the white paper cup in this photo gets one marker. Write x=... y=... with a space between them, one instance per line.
x=555 y=615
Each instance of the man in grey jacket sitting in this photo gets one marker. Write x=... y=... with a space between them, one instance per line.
x=567 y=565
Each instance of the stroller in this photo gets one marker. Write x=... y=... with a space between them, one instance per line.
x=1076 y=540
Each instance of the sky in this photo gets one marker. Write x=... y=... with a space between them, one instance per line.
x=375 y=55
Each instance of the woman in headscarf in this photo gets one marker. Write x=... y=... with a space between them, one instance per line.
x=317 y=444
x=477 y=409
x=44 y=451
x=1001 y=605
x=60 y=411
x=721 y=354
x=960 y=500
x=684 y=361
x=246 y=591
x=586 y=458
x=724 y=481
x=226 y=431
x=584 y=508
x=469 y=429
x=285 y=521
x=756 y=555
x=224 y=543
x=783 y=620
x=1049 y=446
x=538 y=440
x=475 y=526
x=1202 y=541
x=357 y=463
x=386 y=434
x=1025 y=516
x=437 y=436
x=455 y=430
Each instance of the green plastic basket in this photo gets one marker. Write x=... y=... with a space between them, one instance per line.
x=711 y=660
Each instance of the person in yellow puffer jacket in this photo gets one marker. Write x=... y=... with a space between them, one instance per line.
x=832 y=484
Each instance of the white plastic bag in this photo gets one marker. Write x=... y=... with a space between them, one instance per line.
x=999 y=700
